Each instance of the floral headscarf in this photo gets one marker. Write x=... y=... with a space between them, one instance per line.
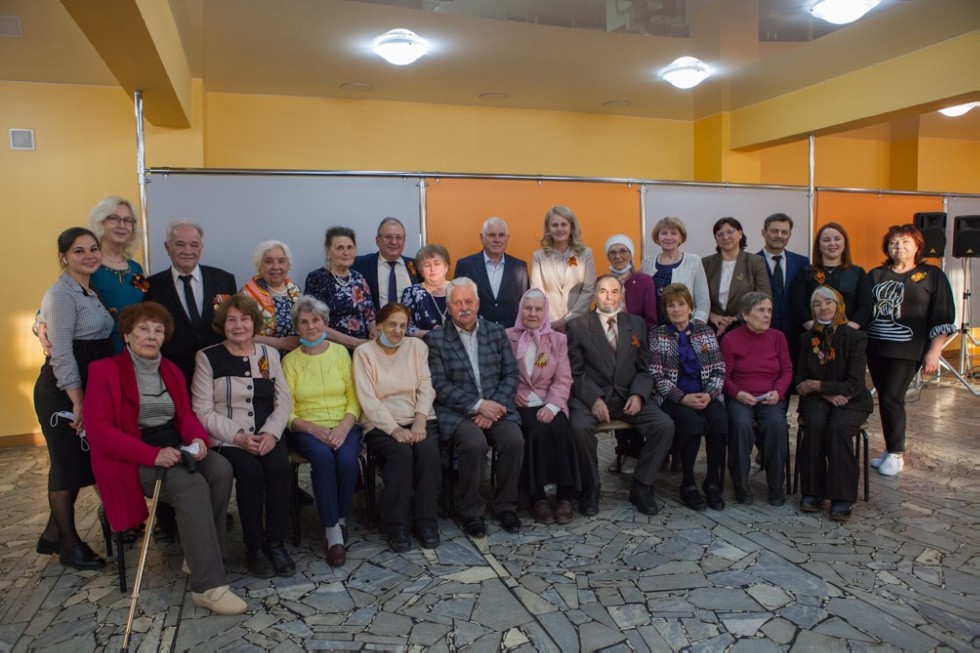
x=528 y=334
x=823 y=334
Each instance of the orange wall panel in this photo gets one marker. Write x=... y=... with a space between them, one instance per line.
x=867 y=216
x=457 y=208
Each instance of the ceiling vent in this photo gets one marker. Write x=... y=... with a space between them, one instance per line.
x=10 y=26
x=22 y=139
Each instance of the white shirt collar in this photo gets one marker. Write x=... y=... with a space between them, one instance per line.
x=196 y=273
x=487 y=261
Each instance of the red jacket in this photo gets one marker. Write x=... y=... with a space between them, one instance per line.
x=111 y=412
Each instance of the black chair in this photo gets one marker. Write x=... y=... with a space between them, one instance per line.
x=366 y=481
x=860 y=442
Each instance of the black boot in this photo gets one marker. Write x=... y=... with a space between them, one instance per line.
x=258 y=563
x=641 y=496
x=280 y=559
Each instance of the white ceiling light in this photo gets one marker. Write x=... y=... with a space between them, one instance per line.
x=841 y=12
x=400 y=46
x=685 y=72
x=959 y=109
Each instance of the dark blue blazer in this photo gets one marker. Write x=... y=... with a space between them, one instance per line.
x=501 y=309
x=188 y=337
x=782 y=312
x=367 y=265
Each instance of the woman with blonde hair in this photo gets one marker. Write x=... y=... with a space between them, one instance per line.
x=563 y=268
x=672 y=265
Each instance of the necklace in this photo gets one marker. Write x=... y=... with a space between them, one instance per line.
x=440 y=311
x=343 y=283
x=120 y=275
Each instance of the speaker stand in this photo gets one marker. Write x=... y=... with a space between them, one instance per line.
x=965 y=336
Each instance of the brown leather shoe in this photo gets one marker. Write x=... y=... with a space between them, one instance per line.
x=563 y=512
x=336 y=555
x=542 y=512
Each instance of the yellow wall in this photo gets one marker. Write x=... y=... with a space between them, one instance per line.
x=86 y=150
x=249 y=131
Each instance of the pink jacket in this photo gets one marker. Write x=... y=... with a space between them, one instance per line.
x=111 y=413
x=551 y=379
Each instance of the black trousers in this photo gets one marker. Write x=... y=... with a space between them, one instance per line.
x=262 y=485
x=891 y=378
x=828 y=464
x=412 y=477
x=689 y=426
x=472 y=446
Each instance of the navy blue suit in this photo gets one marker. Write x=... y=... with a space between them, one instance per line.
x=367 y=265
x=501 y=309
x=782 y=310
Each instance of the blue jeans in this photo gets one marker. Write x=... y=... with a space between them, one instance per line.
x=774 y=435
x=334 y=473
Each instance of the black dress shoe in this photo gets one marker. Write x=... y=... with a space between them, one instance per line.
x=475 y=527
x=810 y=504
x=777 y=498
x=82 y=557
x=509 y=521
x=693 y=499
x=712 y=496
x=398 y=540
x=428 y=536
x=841 y=510
x=588 y=503
x=259 y=564
x=281 y=561
x=48 y=547
x=743 y=495
x=641 y=496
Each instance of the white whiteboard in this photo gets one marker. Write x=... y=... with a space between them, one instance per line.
x=239 y=211
x=699 y=207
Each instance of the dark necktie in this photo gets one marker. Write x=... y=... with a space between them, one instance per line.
x=611 y=334
x=192 y=311
x=777 y=275
x=392 y=283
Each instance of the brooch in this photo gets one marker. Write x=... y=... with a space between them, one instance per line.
x=739 y=277
x=704 y=348
x=542 y=360
x=264 y=367
x=635 y=341
x=140 y=283
x=411 y=268
x=218 y=299
x=572 y=261
x=819 y=276
x=916 y=278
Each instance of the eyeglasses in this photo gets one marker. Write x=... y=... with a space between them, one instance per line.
x=392 y=238
x=115 y=219
x=726 y=233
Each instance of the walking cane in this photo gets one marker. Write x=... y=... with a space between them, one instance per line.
x=160 y=473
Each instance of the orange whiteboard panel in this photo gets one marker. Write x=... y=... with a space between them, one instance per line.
x=457 y=208
x=867 y=216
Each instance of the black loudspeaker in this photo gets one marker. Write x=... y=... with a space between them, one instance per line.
x=933 y=228
x=966 y=236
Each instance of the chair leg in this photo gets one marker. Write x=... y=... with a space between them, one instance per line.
x=106 y=531
x=294 y=504
x=121 y=559
x=371 y=488
x=796 y=460
x=863 y=436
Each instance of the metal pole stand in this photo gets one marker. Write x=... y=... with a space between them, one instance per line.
x=965 y=336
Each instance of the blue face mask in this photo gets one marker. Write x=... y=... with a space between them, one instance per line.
x=313 y=343
x=383 y=339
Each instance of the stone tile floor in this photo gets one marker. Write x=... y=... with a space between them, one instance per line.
x=904 y=574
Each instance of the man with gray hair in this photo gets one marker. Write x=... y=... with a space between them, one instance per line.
x=475 y=377
x=190 y=292
x=500 y=280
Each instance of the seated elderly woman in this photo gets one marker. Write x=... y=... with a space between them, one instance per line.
x=758 y=374
x=542 y=402
x=394 y=387
x=689 y=374
x=324 y=420
x=138 y=416
x=426 y=301
x=275 y=293
x=834 y=402
x=241 y=398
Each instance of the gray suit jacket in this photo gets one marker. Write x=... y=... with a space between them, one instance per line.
x=596 y=372
x=750 y=275
x=452 y=374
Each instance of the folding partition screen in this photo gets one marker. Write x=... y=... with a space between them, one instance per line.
x=457 y=208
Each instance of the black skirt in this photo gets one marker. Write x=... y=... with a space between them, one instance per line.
x=71 y=466
x=549 y=453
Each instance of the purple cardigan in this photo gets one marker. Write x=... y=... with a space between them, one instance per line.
x=641 y=298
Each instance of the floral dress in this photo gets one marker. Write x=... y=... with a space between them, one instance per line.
x=275 y=308
x=118 y=289
x=428 y=311
x=348 y=298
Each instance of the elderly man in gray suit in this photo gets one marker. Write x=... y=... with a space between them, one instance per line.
x=608 y=352
x=475 y=377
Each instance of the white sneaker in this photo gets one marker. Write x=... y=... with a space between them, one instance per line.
x=877 y=460
x=891 y=465
x=629 y=465
x=219 y=600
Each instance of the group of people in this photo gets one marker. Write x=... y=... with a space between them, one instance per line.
x=186 y=372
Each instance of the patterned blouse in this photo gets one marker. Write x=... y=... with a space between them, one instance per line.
x=349 y=300
x=118 y=289
x=665 y=360
x=428 y=311
x=275 y=308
